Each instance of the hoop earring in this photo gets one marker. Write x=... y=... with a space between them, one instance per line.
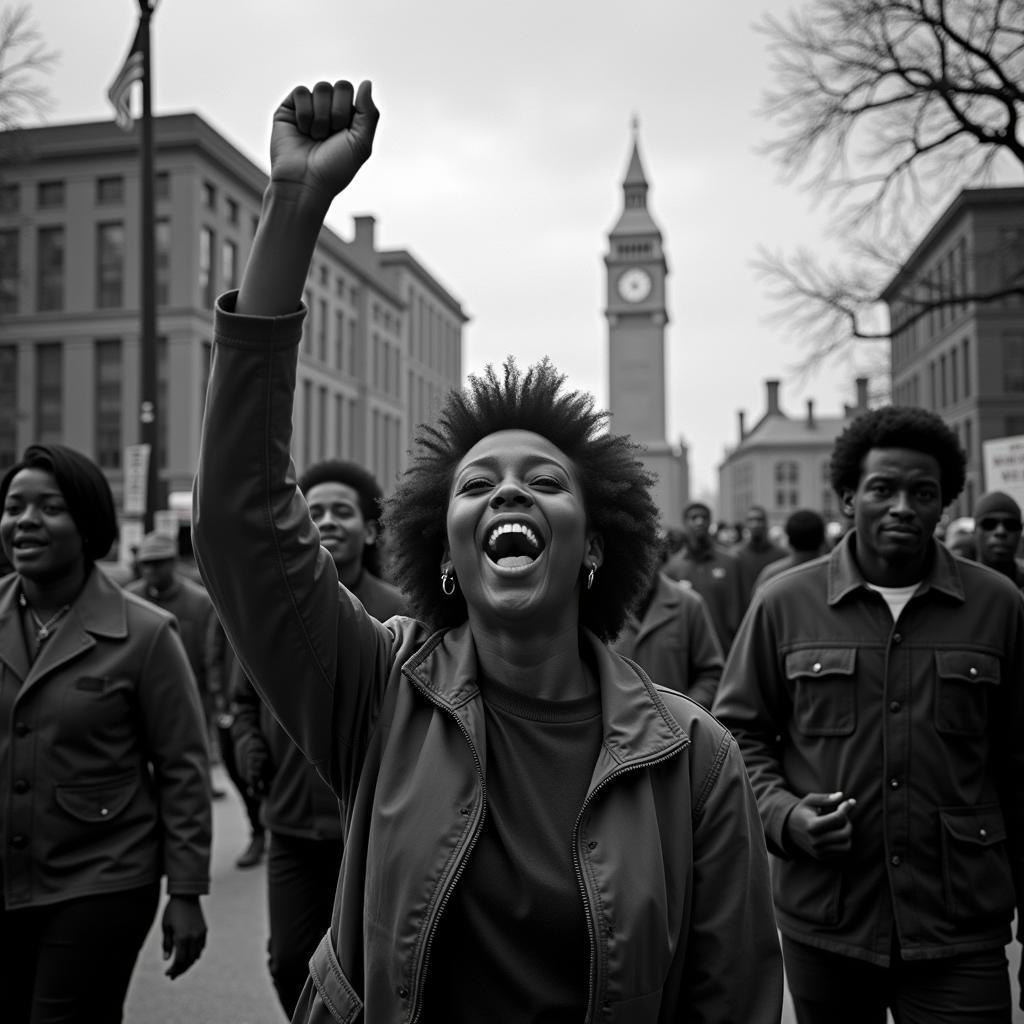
x=590 y=576
x=447 y=583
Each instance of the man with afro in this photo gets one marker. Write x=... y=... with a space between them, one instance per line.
x=876 y=696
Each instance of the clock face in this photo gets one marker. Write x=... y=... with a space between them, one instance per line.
x=634 y=284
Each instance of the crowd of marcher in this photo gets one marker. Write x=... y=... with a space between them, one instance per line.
x=546 y=760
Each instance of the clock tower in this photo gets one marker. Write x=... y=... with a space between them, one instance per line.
x=636 y=273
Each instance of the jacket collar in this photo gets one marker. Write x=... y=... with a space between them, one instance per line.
x=636 y=724
x=663 y=607
x=845 y=577
x=99 y=610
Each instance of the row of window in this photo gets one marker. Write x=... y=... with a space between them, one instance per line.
x=48 y=401
x=51 y=195
x=50 y=267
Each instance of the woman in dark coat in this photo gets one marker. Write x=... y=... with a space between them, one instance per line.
x=104 y=776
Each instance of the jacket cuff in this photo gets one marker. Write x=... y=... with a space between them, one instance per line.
x=262 y=332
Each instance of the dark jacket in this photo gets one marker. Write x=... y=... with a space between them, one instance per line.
x=670 y=859
x=104 y=770
x=751 y=558
x=674 y=642
x=298 y=802
x=715 y=575
x=921 y=721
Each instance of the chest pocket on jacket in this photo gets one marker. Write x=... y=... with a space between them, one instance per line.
x=824 y=691
x=962 y=698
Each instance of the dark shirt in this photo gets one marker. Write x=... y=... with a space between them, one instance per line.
x=512 y=944
x=715 y=575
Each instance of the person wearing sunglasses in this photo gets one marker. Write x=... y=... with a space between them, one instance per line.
x=997 y=529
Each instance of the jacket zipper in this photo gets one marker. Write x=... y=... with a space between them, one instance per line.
x=594 y=928
x=421 y=973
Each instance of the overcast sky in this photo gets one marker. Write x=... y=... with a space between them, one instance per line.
x=503 y=141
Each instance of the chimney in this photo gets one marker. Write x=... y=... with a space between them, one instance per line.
x=772 y=389
x=862 y=393
x=742 y=416
x=810 y=413
x=364 y=238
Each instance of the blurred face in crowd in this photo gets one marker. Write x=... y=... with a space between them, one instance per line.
x=998 y=537
x=757 y=525
x=158 y=574
x=698 y=522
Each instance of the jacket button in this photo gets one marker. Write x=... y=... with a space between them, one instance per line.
x=20 y=729
x=894 y=783
x=19 y=842
x=895 y=860
x=972 y=671
x=816 y=667
x=897 y=638
x=894 y=706
x=403 y=992
x=20 y=786
x=983 y=832
x=592 y=845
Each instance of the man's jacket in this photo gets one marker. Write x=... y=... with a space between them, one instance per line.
x=921 y=721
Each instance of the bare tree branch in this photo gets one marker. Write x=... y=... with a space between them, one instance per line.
x=885 y=108
x=24 y=59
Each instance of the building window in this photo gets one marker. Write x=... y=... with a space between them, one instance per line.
x=307 y=423
x=1013 y=361
x=109 y=265
x=209 y=196
x=10 y=198
x=9 y=272
x=110 y=190
x=162 y=237
x=49 y=392
x=321 y=331
x=8 y=405
x=206 y=294
x=162 y=185
x=966 y=346
x=787 y=480
x=307 y=326
x=232 y=210
x=50 y=195
x=50 y=269
x=108 y=403
x=229 y=265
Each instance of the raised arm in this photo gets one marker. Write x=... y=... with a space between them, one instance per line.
x=275 y=589
x=319 y=141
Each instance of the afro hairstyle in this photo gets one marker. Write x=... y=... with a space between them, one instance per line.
x=614 y=483
x=898 y=426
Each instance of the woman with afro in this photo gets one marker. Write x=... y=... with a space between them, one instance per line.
x=535 y=830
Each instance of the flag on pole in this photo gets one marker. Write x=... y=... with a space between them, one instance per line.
x=120 y=91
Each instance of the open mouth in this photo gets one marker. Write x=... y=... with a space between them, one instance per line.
x=513 y=545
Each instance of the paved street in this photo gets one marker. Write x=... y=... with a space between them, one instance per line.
x=230 y=984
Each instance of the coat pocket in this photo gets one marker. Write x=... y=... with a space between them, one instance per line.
x=98 y=801
x=965 y=680
x=824 y=690
x=976 y=876
x=328 y=996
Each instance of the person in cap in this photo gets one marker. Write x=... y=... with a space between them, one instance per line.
x=161 y=583
x=876 y=695
x=711 y=571
x=104 y=771
x=299 y=810
x=997 y=531
x=805 y=532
